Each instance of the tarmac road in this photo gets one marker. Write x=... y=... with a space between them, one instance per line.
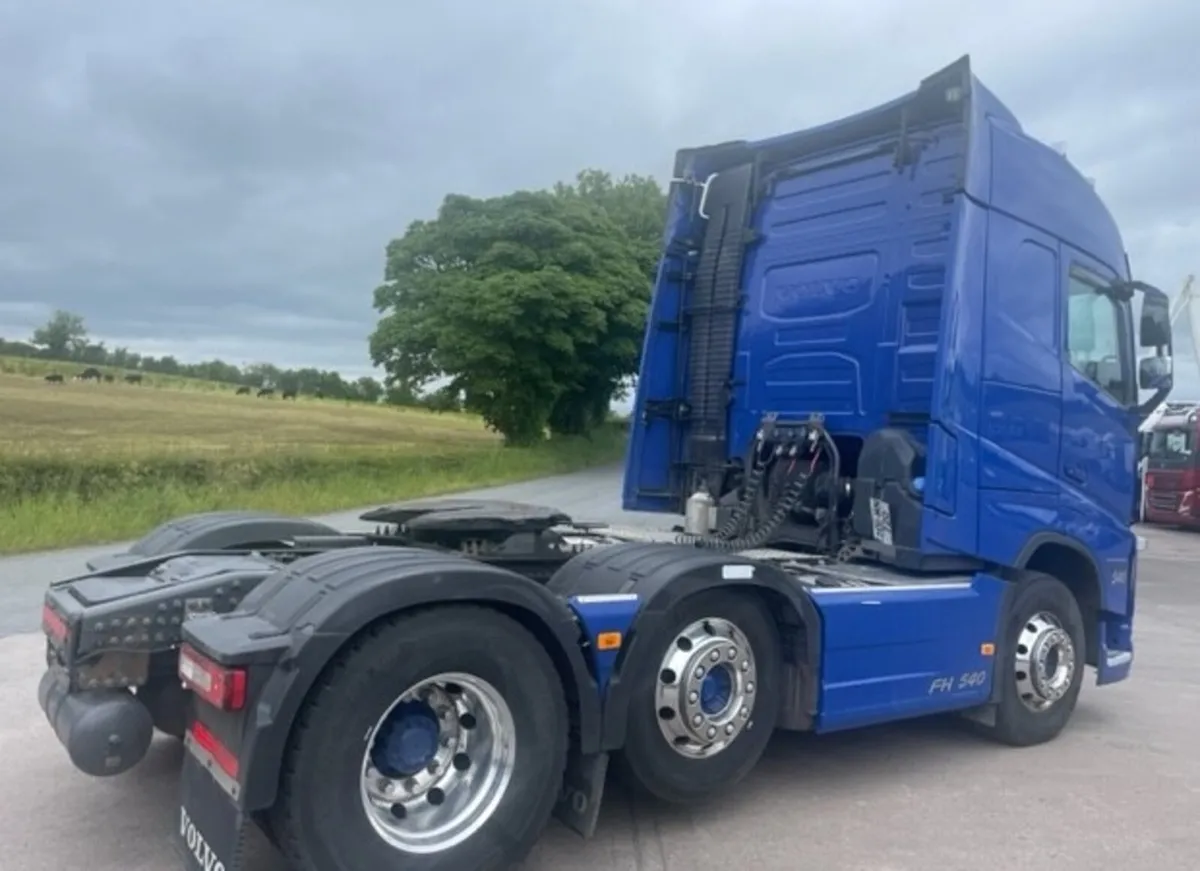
x=1120 y=788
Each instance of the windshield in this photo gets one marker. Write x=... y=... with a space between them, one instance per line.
x=1172 y=444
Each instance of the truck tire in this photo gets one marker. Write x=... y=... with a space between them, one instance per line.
x=372 y=775
x=698 y=724
x=1042 y=672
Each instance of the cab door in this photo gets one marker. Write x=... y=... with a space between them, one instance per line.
x=1098 y=454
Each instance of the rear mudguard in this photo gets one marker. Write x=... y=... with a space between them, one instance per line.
x=212 y=530
x=663 y=574
x=297 y=619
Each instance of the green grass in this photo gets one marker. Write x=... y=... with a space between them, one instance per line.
x=90 y=463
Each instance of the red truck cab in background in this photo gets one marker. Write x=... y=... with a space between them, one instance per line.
x=1172 y=480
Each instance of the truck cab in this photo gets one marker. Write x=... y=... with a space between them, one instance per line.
x=950 y=298
x=1172 y=476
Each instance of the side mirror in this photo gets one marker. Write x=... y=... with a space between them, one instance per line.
x=1155 y=329
x=1154 y=373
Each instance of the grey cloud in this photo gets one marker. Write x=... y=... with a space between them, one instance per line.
x=221 y=178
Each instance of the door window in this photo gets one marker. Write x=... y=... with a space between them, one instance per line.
x=1096 y=337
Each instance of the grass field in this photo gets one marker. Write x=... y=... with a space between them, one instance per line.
x=88 y=463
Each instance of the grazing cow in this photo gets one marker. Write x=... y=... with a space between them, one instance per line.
x=133 y=378
x=266 y=391
x=288 y=394
x=89 y=374
x=54 y=378
x=243 y=391
x=108 y=379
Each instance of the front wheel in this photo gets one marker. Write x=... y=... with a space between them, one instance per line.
x=436 y=742
x=1043 y=672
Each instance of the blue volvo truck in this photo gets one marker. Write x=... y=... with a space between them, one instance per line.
x=891 y=379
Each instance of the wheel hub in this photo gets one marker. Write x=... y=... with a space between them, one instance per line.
x=705 y=688
x=438 y=763
x=407 y=741
x=1045 y=662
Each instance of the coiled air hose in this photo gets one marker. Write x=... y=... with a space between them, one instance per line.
x=735 y=523
x=729 y=536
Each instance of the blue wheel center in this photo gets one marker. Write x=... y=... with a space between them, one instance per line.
x=717 y=690
x=407 y=741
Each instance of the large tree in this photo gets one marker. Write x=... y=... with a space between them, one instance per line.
x=634 y=202
x=62 y=336
x=532 y=305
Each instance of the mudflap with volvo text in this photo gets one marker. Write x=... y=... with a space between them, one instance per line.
x=210 y=833
x=578 y=806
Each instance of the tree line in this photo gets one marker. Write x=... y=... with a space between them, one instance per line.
x=65 y=338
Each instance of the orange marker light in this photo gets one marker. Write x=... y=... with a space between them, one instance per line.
x=608 y=641
x=987 y=649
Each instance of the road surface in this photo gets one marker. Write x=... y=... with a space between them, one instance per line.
x=1119 y=789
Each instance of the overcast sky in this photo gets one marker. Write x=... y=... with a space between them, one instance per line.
x=220 y=177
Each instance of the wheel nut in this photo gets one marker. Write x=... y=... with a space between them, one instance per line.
x=697 y=720
x=715 y=655
x=712 y=731
x=744 y=713
x=733 y=653
x=746 y=665
x=750 y=686
x=729 y=729
x=699 y=671
x=693 y=697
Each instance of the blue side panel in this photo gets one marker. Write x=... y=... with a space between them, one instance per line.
x=602 y=613
x=950 y=517
x=893 y=653
x=845 y=289
x=654 y=442
x=1022 y=392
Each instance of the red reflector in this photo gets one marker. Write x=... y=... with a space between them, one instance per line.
x=54 y=625
x=221 y=754
x=223 y=688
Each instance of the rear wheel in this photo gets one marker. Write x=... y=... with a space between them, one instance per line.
x=1043 y=673
x=435 y=742
x=705 y=705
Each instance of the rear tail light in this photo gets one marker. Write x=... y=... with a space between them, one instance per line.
x=54 y=626
x=223 y=688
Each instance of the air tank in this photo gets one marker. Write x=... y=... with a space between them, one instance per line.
x=700 y=514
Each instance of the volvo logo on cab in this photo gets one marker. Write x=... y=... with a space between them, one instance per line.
x=197 y=845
